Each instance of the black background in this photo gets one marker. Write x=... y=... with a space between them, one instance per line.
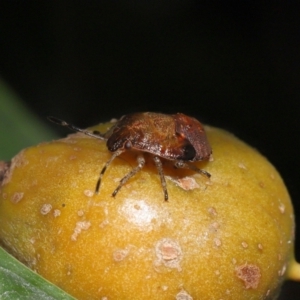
x=231 y=64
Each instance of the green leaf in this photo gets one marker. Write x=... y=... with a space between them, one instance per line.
x=19 y=127
x=19 y=282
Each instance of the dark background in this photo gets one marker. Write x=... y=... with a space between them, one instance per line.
x=231 y=64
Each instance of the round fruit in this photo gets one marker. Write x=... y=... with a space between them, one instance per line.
x=227 y=237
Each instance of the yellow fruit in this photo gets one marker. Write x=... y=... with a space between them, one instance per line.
x=230 y=237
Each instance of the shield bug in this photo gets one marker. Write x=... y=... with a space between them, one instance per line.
x=177 y=137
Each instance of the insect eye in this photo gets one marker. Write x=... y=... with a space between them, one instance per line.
x=189 y=152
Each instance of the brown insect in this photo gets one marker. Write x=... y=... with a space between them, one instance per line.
x=178 y=137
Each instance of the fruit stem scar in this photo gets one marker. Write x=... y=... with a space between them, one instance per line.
x=294 y=271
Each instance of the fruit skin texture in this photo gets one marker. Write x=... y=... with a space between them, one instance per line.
x=230 y=237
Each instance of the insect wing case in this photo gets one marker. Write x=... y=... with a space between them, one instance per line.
x=172 y=137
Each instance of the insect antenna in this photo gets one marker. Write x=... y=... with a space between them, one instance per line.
x=95 y=134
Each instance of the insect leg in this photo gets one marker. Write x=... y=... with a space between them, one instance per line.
x=162 y=176
x=115 y=154
x=60 y=122
x=141 y=163
x=183 y=165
